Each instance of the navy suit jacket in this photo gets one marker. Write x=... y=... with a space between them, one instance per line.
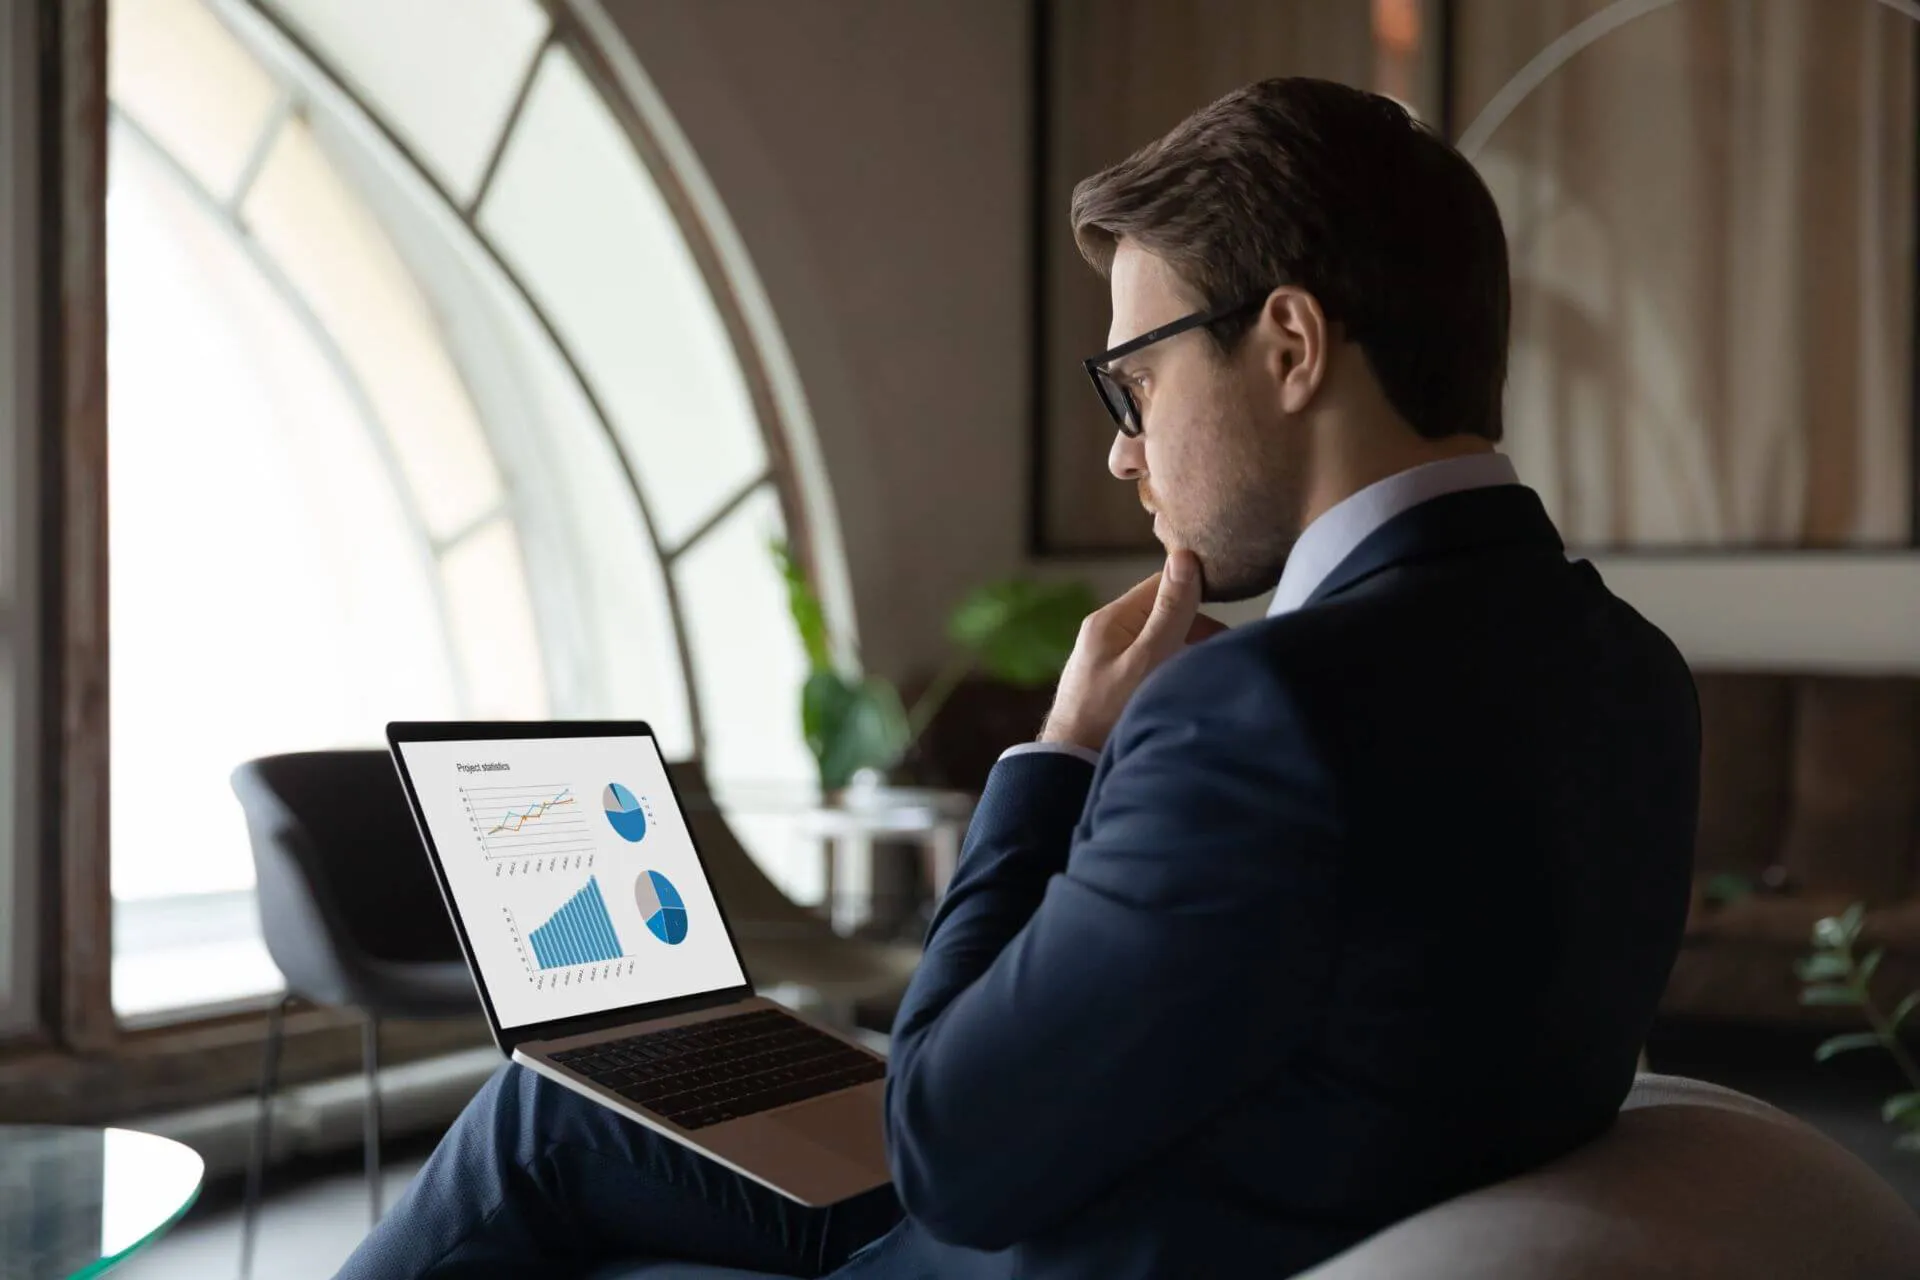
x=1364 y=906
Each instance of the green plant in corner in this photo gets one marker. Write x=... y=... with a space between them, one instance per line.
x=1018 y=631
x=1727 y=887
x=850 y=722
x=1833 y=975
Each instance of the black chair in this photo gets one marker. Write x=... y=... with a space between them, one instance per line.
x=350 y=913
x=782 y=942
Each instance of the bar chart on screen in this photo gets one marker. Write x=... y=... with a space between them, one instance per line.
x=578 y=936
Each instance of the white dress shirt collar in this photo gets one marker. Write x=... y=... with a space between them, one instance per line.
x=1335 y=536
x=1344 y=526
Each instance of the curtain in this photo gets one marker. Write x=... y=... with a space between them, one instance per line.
x=1711 y=216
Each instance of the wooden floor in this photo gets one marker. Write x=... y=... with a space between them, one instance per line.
x=315 y=1215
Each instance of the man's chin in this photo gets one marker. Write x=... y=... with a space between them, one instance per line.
x=1228 y=585
x=1219 y=584
x=1230 y=594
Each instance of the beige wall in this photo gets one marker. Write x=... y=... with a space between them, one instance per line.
x=874 y=156
x=1806 y=611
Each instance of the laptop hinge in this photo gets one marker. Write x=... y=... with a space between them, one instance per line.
x=587 y=1023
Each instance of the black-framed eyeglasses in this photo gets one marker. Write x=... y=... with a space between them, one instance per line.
x=1114 y=394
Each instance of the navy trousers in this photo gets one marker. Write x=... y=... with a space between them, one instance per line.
x=534 y=1179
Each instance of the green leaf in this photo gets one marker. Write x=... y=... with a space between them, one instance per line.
x=826 y=700
x=809 y=618
x=1724 y=887
x=1825 y=966
x=851 y=725
x=1022 y=631
x=1906 y=1006
x=1851 y=919
x=1846 y=1044
x=1830 y=995
x=1901 y=1107
x=872 y=736
x=1838 y=933
x=1868 y=965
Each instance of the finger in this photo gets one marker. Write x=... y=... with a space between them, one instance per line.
x=1128 y=613
x=1175 y=605
x=1138 y=598
x=1205 y=628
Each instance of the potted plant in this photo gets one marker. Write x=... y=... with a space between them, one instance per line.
x=1834 y=975
x=856 y=725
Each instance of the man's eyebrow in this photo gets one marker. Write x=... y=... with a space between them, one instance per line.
x=1127 y=366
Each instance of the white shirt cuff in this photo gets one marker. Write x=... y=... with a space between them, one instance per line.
x=1054 y=748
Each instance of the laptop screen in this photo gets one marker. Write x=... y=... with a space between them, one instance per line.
x=572 y=872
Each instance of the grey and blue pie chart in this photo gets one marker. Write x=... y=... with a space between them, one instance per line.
x=661 y=907
x=624 y=812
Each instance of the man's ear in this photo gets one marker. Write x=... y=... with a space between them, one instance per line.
x=1297 y=337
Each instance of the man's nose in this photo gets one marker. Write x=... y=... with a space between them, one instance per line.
x=1128 y=457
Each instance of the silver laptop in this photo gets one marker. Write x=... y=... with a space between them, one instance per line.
x=604 y=959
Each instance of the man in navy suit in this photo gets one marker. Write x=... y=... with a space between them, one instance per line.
x=1275 y=936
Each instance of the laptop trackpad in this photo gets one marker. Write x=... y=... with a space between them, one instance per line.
x=848 y=1124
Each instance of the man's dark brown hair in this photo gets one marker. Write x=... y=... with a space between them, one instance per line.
x=1342 y=193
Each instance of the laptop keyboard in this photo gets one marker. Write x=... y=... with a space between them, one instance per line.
x=709 y=1072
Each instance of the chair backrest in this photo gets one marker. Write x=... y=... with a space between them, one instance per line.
x=343 y=879
x=753 y=901
x=1694 y=1182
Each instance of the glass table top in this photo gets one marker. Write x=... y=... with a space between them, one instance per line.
x=73 y=1201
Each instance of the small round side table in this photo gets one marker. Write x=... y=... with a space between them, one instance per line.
x=77 y=1202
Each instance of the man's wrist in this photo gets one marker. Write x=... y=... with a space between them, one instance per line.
x=1067 y=734
x=1078 y=752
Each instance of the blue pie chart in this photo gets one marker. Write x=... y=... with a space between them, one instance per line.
x=661 y=907
x=624 y=812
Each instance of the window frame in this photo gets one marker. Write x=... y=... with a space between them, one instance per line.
x=64 y=1055
x=20 y=413
x=74 y=447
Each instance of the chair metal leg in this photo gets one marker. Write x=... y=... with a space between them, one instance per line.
x=370 y=1052
x=262 y=1133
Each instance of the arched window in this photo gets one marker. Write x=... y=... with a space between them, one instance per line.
x=426 y=400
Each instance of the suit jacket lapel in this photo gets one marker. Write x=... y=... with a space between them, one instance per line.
x=1455 y=523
